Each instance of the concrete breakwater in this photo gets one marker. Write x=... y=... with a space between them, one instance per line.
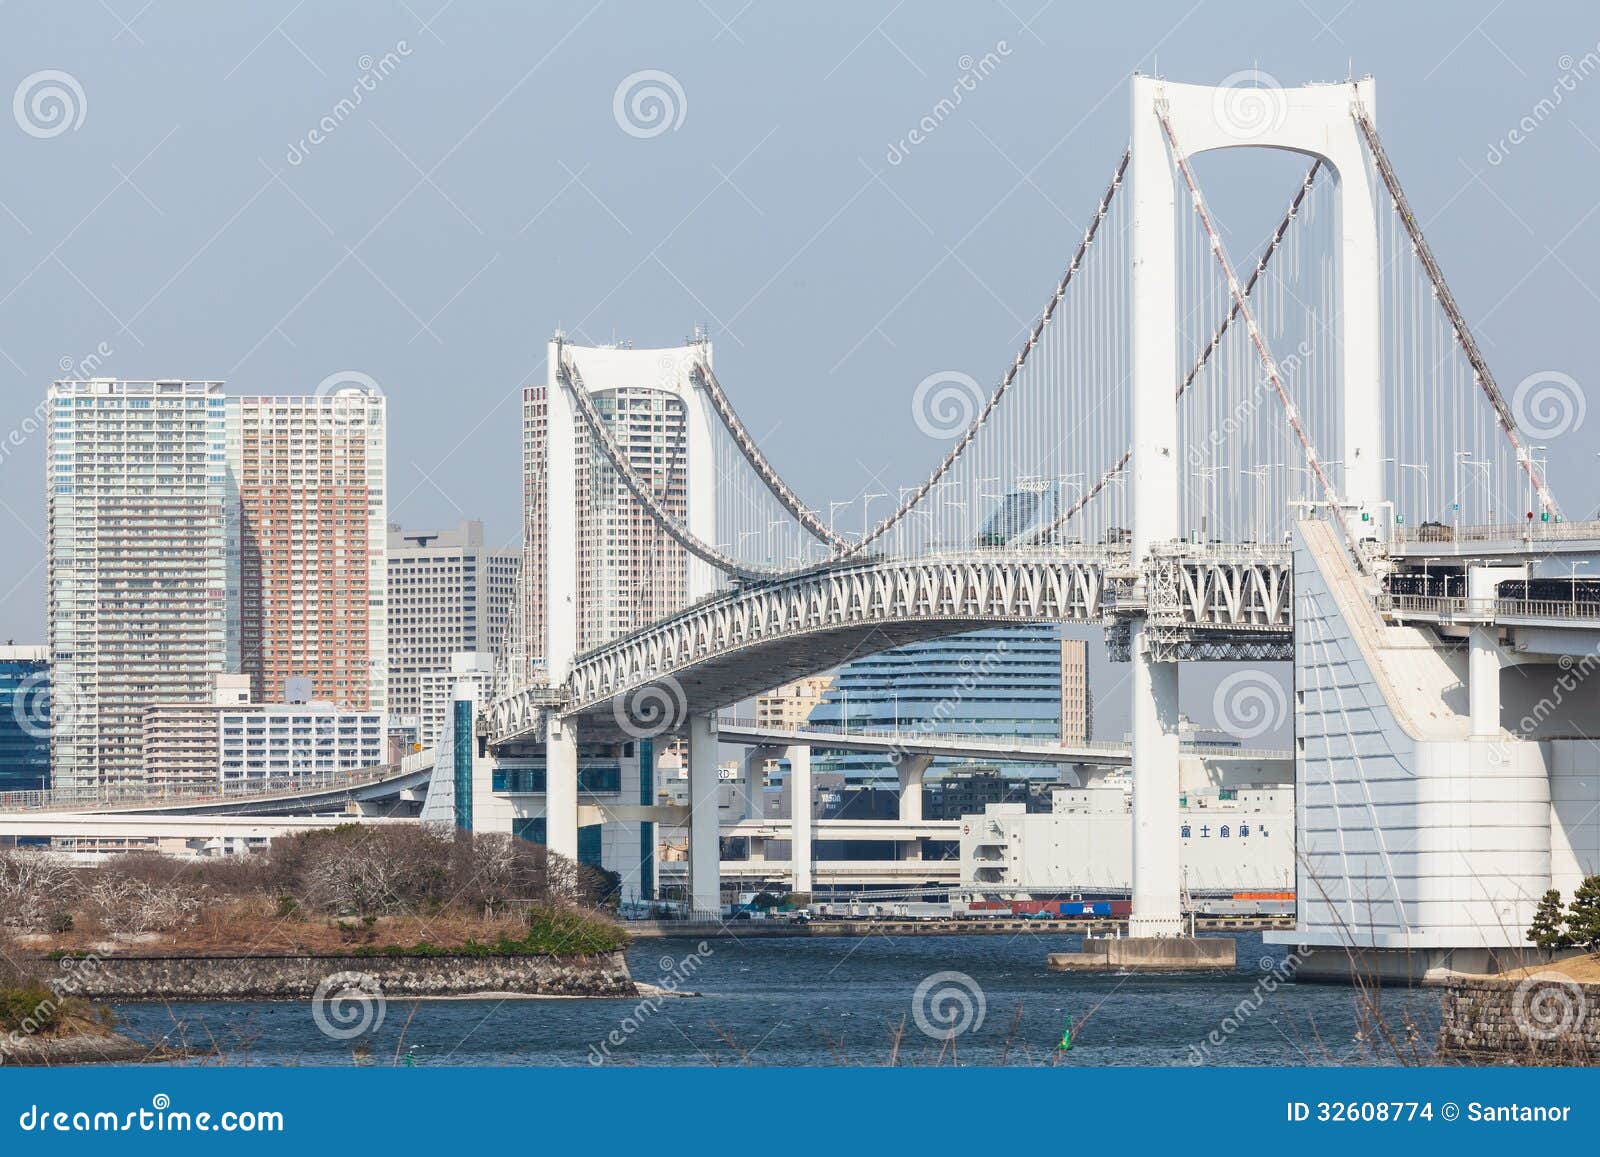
x=1546 y=1017
x=135 y=978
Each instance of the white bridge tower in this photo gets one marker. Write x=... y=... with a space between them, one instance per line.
x=1317 y=121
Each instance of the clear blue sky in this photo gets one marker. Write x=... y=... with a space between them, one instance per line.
x=483 y=193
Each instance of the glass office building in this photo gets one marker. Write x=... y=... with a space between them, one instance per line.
x=24 y=718
x=1004 y=683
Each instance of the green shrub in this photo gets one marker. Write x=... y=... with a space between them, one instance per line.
x=28 y=1006
x=551 y=932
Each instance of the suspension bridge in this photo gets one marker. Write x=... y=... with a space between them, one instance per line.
x=1212 y=458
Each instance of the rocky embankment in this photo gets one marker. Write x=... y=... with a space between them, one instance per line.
x=1543 y=1018
x=183 y=978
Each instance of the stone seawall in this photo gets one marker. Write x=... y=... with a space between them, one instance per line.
x=299 y=977
x=1545 y=1018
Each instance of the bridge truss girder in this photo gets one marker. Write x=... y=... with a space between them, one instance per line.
x=1204 y=607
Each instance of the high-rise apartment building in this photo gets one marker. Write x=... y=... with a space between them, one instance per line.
x=138 y=555
x=790 y=706
x=448 y=593
x=312 y=540
x=1077 y=706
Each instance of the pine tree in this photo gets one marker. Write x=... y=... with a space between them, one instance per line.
x=1583 y=915
x=1545 y=932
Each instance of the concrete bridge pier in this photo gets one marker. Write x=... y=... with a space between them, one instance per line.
x=1483 y=680
x=561 y=787
x=799 y=757
x=1156 y=907
x=705 y=849
x=1483 y=651
x=755 y=762
x=910 y=770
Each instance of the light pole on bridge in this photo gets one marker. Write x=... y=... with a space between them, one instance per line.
x=833 y=509
x=1259 y=473
x=866 y=505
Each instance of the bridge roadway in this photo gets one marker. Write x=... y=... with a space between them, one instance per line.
x=1507 y=541
x=113 y=826
x=1225 y=601
x=725 y=648
x=746 y=733
x=317 y=792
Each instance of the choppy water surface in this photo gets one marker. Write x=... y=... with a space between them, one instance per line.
x=830 y=1001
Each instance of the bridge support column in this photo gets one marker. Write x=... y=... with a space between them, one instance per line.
x=1483 y=650
x=1156 y=907
x=910 y=771
x=799 y=758
x=755 y=762
x=705 y=849
x=1483 y=680
x=561 y=787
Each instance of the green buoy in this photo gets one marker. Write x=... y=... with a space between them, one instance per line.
x=1066 y=1036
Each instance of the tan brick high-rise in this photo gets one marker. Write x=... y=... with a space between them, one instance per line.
x=312 y=531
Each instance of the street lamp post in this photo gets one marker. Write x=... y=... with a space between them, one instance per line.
x=1209 y=474
x=866 y=504
x=833 y=509
x=1573 y=568
x=1259 y=473
x=1458 y=458
x=1422 y=469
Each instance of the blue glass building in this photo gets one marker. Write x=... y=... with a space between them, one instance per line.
x=1004 y=682
x=24 y=718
